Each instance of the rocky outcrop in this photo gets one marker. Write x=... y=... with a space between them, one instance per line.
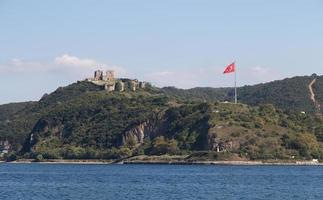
x=150 y=129
x=138 y=133
x=43 y=128
x=214 y=143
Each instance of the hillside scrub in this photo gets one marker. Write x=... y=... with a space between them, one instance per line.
x=82 y=121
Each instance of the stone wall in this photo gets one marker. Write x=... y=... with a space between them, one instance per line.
x=110 y=83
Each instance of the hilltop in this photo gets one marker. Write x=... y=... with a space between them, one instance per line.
x=86 y=121
x=288 y=94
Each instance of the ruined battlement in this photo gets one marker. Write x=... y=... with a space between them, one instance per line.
x=108 y=81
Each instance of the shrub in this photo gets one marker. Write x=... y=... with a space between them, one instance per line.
x=163 y=146
x=11 y=157
x=39 y=158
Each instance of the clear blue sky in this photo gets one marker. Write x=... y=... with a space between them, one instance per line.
x=185 y=43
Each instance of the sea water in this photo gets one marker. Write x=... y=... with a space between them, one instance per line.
x=74 y=181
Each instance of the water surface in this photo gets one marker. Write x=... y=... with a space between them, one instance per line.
x=67 y=181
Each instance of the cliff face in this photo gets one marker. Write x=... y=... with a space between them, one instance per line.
x=219 y=144
x=188 y=124
x=55 y=128
x=146 y=130
x=42 y=130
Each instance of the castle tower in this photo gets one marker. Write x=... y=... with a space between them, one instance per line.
x=109 y=77
x=142 y=85
x=109 y=87
x=120 y=86
x=98 y=75
x=133 y=84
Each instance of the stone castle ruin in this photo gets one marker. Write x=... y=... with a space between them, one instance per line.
x=110 y=83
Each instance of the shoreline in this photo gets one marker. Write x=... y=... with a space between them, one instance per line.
x=167 y=162
x=230 y=163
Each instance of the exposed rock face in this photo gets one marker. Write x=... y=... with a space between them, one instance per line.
x=212 y=140
x=133 y=134
x=215 y=143
x=149 y=129
x=44 y=128
x=161 y=123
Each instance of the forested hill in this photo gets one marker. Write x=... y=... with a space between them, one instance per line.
x=12 y=108
x=84 y=121
x=289 y=94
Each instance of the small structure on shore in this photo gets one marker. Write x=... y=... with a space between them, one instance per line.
x=4 y=147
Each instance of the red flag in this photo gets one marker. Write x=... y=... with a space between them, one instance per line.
x=230 y=68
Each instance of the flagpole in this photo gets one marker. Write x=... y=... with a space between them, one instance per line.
x=229 y=69
x=235 y=86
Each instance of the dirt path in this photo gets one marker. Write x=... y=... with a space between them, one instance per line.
x=310 y=87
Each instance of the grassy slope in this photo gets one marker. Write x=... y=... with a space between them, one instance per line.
x=290 y=93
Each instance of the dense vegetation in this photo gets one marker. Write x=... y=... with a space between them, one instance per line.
x=290 y=93
x=318 y=88
x=12 y=108
x=82 y=121
x=200 y=94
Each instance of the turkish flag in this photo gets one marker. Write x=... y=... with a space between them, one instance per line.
x=230 y=68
